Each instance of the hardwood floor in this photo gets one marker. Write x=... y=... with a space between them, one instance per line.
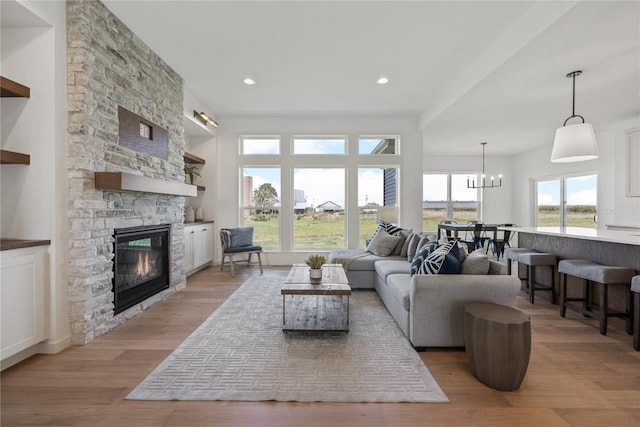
x=576 y=377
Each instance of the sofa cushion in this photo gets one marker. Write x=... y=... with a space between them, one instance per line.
x=477 y=262
x=382 y=243
x=386 y=267
x=400 y=286
x=421 y=255
x=445 y=259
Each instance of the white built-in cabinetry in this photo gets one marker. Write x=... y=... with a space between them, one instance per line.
x=23 y=296
x=198 y=246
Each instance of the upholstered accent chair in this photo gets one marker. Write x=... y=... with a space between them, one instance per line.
x=238 y=241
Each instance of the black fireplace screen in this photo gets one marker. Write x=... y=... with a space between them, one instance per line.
x=141 y=267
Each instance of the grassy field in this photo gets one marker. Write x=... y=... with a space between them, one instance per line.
x=327 y=231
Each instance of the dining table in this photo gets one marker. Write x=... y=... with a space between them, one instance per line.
x=457 y=228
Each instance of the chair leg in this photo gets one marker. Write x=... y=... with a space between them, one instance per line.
x=222 y=263
x=232 y=265
x=629 y=310
x=586 y=297
x=531 y=272
x=553 y=285
x=260 y=262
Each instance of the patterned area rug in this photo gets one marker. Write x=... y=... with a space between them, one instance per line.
x=241 y=353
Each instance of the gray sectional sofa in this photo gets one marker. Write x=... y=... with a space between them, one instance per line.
x=428 y=308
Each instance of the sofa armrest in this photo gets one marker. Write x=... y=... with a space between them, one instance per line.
x=437 y=304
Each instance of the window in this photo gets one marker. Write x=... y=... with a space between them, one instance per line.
x=377 y=145
x=260 y=203
x=376 y=188
x=307 y=145
x=260 y=145
x=446 y=197
x=569 y=201
x=319 y=222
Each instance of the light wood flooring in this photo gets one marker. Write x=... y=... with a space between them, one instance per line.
x=576 y=377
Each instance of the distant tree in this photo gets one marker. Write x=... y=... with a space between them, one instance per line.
x=265 y=195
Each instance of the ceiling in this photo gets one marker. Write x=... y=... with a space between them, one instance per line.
x=469 y=71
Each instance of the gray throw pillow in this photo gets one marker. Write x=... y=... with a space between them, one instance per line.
x=477 y=262
x=403 y=234
x=412 y=246
x=382 y=243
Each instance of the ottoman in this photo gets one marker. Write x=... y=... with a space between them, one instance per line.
x=498 y=344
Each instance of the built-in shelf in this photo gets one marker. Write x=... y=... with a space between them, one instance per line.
x=11 y=89
x=192 y=158
x=9 y=244
x=200 y=187
x=121 y=181
x=13 y=158
x=194 y=128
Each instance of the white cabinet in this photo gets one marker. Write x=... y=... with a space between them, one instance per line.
x=198 y=251
x=23 y=289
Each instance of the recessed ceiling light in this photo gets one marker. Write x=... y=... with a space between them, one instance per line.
x=383 y=80
x=249 y=81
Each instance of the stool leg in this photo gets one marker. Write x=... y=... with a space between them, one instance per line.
x=604 y=311
x=629 y=311
x=563 y=294
x=532 y=282
x=553 y=285
x=636 y=321
x=509 y=267
x=586 y=297
x=260 y=262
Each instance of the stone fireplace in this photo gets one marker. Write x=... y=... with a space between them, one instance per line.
x=110 y=68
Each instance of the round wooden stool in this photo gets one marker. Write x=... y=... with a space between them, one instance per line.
x=498 y=344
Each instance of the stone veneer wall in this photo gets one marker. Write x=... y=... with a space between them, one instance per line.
x=109 y=66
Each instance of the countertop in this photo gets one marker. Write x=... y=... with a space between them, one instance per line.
x=8 y=244
x=613 y=236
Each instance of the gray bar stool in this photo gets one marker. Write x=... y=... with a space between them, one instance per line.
x=603 y=275
x=513 y=254
x=635 y=288
x=533 y=260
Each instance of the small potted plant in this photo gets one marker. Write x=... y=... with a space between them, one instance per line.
x=191 y=171
x=315 y=266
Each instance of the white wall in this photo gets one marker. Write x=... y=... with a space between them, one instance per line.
x=34 y=197
x=227 y=169
x=614 y=207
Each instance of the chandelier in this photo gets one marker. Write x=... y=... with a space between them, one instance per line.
x=483 y=184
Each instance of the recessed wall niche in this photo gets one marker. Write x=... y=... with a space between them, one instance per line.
x=142 y=135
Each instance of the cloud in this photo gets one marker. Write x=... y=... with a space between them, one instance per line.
x=547 y=199
x=370 y=186
x=320 y=184
x=585 y=197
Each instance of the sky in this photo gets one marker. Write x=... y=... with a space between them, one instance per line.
x=581 y=190
x=306 y=145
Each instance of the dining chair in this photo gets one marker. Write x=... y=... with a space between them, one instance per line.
x=447 y=232
x=475 y=242
x=501 y=240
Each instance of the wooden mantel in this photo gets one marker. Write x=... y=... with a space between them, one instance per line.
x=121 y=181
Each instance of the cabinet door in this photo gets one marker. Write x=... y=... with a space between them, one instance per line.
x=189 y=233
x=22 y=300
x=203 y=245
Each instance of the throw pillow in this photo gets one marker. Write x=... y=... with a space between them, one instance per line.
x=403 y=234
x=443 y=260
x=464 y=251
x=382 y=243
x=240 y=236
x=421 y=255
x=388 y=227
x=476 y=263
x=412 y=246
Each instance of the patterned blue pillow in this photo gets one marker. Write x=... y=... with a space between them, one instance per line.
x=445 y=259
x=420 y=256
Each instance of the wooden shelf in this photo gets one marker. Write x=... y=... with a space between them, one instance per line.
x=200 y=187
x=13 y=158
x=121 y=181
x=192 y=158
x=11 y=89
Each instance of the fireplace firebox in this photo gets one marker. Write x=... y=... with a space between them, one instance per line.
x=141 y=267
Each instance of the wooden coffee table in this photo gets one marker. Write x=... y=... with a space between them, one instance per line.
x=316 y=304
